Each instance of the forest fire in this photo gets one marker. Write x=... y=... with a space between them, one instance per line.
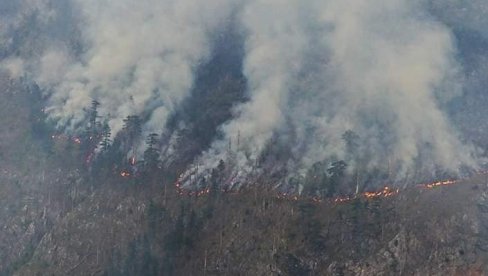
x=62 y=137
x=385 y=192
x=181 y=191
x=89 y=158
x=292 y=197
x=125 y=174
x=439 y=184
x=342 y=199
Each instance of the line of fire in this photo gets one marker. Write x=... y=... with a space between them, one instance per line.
x=130 y=171
x=384 y=192
x=96 y=140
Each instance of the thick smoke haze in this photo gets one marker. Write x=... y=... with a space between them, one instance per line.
x=134 y=58
x=383 y=69
x=390 y=71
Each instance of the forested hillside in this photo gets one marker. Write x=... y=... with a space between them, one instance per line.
x=229 y=137
x=61 y=216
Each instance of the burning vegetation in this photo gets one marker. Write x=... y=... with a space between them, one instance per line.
x=96 y=145
x=385 y=192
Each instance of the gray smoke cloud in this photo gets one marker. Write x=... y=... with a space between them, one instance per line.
x=136 y=58
x=385 y=69
x=468 y=15
x=390 y=70
x=275 y=42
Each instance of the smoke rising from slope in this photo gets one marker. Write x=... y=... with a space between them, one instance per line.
x=275 y=40
x=137 y=58
x=384 y=69
x=390 y=70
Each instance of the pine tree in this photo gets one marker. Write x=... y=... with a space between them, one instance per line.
x=132 y=128
x=152 y=153
x=93 y=125
x=91 y=137
x=131 y=134
x=106 y=141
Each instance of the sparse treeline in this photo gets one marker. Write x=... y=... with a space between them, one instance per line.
x=124 y=154
x=104 y=154
x=333 y=177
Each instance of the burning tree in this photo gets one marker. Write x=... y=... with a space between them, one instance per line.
x=90 y=138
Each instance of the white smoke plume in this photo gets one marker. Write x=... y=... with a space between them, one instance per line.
x=140 y=59
x=136 y=58
x=390 y=69
x=275 y=43
x=385 y=69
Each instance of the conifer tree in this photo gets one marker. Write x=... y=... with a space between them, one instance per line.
x=152 y=153
x=106 y=141
x=132 y=132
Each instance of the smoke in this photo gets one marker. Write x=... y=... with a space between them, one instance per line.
x=462 y=15
x=388 y=70
x=275 y=42
x=132 y=57
x=383 y=69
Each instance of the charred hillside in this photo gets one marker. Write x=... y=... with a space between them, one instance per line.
x=229 y=137
x=61 y=217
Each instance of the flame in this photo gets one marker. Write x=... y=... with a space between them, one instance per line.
x=125 y=174
x=287 y=196
x=342 y=199
x=89 y=158
x=385 y=192
x=440 y=183
x=227 y=188
x=76 y=140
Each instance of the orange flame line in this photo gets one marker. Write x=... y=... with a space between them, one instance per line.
x=385 y=192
